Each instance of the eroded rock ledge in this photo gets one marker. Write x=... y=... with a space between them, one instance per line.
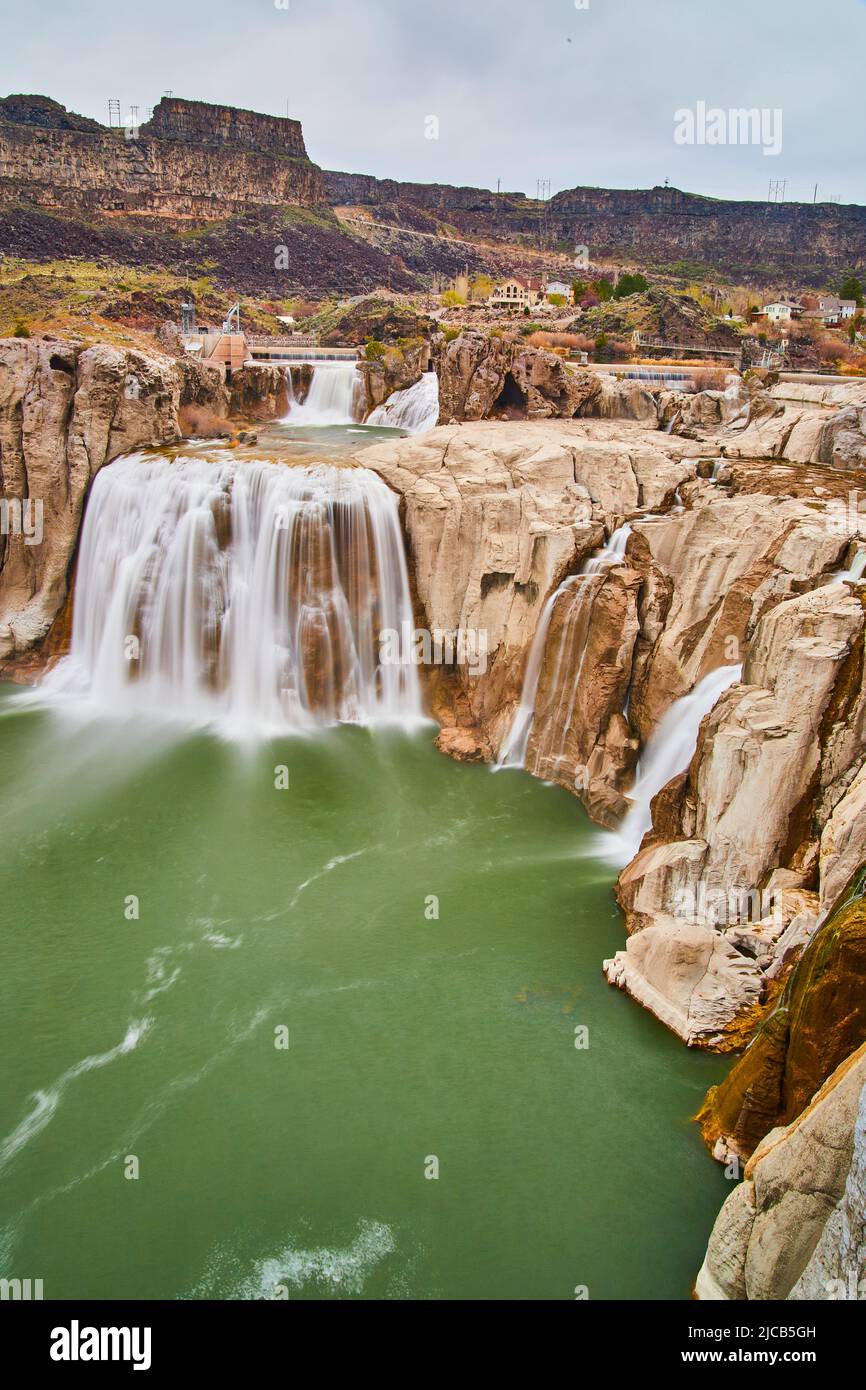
x=741 y=569
x=795 y=1227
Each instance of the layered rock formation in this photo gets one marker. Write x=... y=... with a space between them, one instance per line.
x=65 y=411
x=579 y=736
x=753 y=802
x=819 y=1020
x=654 y=226
x=496 y=516
x=191 y=159
x=795 y=1227
x=740 y=570
x=483 y=376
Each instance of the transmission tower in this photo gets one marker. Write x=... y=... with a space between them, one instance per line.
x=114 y=112
x=777 y=190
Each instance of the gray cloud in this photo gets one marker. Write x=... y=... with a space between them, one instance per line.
x=521 y=90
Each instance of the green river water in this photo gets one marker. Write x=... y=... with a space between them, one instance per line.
x=301 y=1170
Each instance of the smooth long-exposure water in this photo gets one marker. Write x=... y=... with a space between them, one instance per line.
x=170 y=919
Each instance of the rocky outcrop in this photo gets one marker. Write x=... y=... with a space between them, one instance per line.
x=580 y=737
x=652 y=226
x=203 y=123
x=398 y=367
x=494 y=520
x=496 y=516
x=755 y=801
x=712 y=571
x=259 y=392
x=819 y=1020
x=804 y=422
x=191 y=159
x=795 y=1227
x=66 y=410
x=486 y=376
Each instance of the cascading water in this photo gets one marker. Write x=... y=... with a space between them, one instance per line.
x=414 y=410
x=513 y=751
x=668 y=752
x=550 y=745
x=251 y=594
x=611 y=554
x=333 y=397
x=856 y=570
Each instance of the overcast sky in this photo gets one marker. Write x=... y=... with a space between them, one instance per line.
x=521 y=89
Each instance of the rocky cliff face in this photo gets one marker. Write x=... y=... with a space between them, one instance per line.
x=752 y=804
x=191 y=160
x=737 y=571
x=660 y=226
x=484 y=377
x=496 y=516
x=819 y=1020
x=656 y=226
x=203 y=123
x=65 y=411
x=795 y=1227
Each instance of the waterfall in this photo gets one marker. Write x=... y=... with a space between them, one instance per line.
x=668 y=752
x=513 y=751
x=250 y=594
x=854 y=574
x=570 y=656
x=414 y=410
x=611 y=554
x=333 y=397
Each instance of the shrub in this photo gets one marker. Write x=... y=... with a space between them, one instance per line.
x=630 y=284
x=451 y=332
x=602 y=353
x=452 y=300
x=603 y=288
x=374 y=350
x=543 y=339
x=20 y=330
x=557 y=299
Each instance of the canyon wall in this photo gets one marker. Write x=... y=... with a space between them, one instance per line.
x=197 y=160
x=795 y=1227
x=652 y=227
x=190 y=160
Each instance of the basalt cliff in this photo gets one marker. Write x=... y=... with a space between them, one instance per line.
x=244 y=183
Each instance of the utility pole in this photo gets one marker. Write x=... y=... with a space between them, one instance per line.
x=114 y=111
x=815 y=194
